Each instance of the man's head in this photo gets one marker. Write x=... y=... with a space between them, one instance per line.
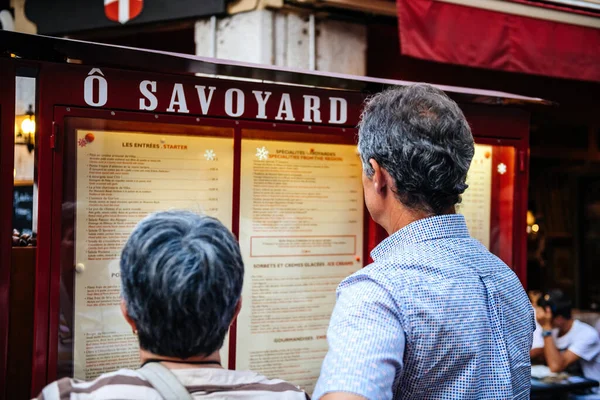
x=182 y=279
x=416 y=148
x=558 y=306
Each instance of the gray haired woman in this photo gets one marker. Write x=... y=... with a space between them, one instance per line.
x=182 y=278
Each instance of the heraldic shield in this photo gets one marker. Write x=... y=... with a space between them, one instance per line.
x=122 y=10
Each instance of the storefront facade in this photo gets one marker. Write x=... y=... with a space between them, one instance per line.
x=124 y=132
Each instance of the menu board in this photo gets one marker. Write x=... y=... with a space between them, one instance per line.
x=477 y=200
x=121 y=178
x=301 y=233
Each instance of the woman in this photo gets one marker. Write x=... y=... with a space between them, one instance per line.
x=181 y=280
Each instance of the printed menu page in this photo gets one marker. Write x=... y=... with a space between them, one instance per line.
x=477 y=200
x=301 y=233
x=121 y=178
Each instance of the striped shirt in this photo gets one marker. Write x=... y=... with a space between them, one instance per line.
x=435 y=316
x=202 y=383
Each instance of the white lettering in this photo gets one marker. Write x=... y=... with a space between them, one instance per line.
x=96 y=71
x=311 y=106
x=89 y=92
x=229 y=102
x=204 y=99
x=178 y=99
x=262 y=103
x=148 y=88
x=333 y=110
x=285 y=107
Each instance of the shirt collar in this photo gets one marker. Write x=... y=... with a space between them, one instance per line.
x=437 y=227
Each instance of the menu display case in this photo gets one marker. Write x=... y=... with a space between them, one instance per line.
x=116 y=173
x=277 y=164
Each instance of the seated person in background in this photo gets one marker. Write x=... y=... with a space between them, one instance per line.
x=561 y=340
x=181 y=277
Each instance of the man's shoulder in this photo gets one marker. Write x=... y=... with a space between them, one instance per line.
x=371 y=275
x=583 y=340
x=397 y=273
x=111 y=386
x=583 y=330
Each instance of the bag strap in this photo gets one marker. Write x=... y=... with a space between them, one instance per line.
x=164 y=382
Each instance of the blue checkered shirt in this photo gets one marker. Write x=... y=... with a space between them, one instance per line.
x=435 y=316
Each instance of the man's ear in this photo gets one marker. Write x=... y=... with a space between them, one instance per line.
x=127 y=317
x=381 y=178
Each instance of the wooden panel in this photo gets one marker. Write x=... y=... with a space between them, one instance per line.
x=20 y=333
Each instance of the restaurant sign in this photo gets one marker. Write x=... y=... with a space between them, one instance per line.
x=238 y=101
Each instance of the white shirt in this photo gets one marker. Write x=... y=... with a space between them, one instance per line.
x=581 y=339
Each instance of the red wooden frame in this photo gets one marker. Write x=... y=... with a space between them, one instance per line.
x=61 y=94
x=7 y=145
x=43 y=277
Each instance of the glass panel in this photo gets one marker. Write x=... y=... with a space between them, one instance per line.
x=503 y=201
x=489 y=201
x=301 y=233
x=116 y=173
x=25 y=193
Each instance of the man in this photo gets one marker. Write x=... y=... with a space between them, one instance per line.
x=435 y=316
x=563 y=341
x=182 y=280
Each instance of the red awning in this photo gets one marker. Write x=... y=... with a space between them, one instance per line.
x=515 y=36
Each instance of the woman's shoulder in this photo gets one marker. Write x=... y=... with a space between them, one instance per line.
x=124 y=383
x=235 y=384
x=281 y=388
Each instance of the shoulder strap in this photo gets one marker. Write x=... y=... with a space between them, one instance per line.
x=164 y=382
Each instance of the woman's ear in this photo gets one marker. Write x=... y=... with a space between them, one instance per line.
x=127 y=317
x=238 y=308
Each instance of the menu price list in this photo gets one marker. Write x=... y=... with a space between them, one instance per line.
x=301 y=233
x=476 y=204
x=121 y=178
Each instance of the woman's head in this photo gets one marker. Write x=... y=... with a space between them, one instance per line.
x=182 y=278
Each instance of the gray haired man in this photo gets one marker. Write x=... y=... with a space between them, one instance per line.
x=436 y=315
x=182 y=278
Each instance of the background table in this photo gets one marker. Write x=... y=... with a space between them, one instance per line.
x=541 y=389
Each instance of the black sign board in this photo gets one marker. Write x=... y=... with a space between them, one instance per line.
x=23 y=208
x=60 y=17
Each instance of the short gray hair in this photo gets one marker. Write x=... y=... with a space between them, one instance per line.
x=422 y=139
x=182 y=277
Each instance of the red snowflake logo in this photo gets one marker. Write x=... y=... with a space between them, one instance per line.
x=82 y=142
